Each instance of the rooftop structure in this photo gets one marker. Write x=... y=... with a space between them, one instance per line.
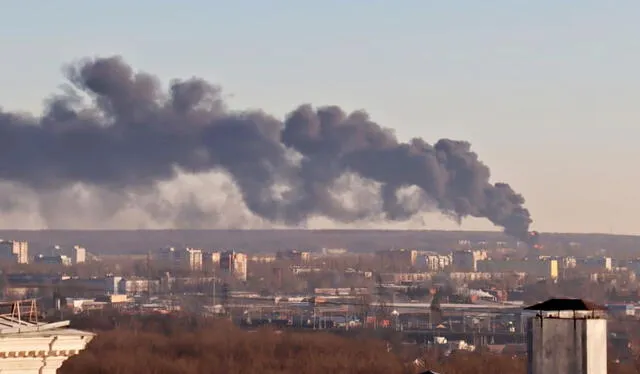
x=567 y=336
x=28 y=345
x=569 y=308
x=560 y=304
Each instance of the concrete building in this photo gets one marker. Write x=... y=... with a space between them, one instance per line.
x=473 y=276
x=186 y=258
x=546 y=268
x=596 y=264
x=264 y=258
x=193 y=258
x=405 y=277
x=433 y=261
x=28 y=346
x=111 y=284
x=293 y=255
x=567 y=336
x=53 y=260
x=79 y=255
x=334 y=251
x=568 y=262
x=398 y=257
x=138 y=286
x=215 y=258
x=12 y=250
x=210 y=261
x=234 y=263
x=467 y=260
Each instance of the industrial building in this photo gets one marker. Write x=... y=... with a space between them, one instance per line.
x=567 y=336
x=28 y=346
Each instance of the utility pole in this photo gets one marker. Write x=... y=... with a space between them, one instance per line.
x=148 y=274
x=214 y=288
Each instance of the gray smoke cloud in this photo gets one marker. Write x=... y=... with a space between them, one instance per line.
x=119 y=132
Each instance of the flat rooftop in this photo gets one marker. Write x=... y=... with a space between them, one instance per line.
x=21 y=317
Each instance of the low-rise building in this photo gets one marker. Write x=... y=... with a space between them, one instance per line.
x=53 y=260
x=595 y=264
x=540 y=267
x=405 y=277
x=138 y=286
x=263 y=258
x=299 y=257
x=30 y=346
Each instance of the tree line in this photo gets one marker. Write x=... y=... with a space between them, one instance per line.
x=190 y=345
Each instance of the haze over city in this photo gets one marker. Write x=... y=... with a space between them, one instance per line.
x=547 y=107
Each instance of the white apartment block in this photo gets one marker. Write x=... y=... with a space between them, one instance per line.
x=79 y=255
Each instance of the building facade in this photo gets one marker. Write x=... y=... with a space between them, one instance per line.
x=14 y=251
x=298 y=257
x=53 y=260
x=567 y=336
x=234 y=263
x=186 y=258
x=467 y=260
x=398 y=258
x=79 y=255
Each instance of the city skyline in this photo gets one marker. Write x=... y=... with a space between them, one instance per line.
x=545 y=97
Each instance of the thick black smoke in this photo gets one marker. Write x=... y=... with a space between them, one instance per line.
x=134 y=134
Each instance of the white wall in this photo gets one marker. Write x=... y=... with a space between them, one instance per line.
x=567 y=346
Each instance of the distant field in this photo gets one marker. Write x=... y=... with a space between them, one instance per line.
x=140 y=241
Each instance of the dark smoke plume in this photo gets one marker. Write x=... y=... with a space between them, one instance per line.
x=134 y=134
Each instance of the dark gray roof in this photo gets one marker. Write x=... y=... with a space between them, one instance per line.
x=559 y=304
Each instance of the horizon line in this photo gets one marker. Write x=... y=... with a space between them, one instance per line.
x=484 y=232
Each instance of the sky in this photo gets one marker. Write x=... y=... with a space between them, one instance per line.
x=544 y=90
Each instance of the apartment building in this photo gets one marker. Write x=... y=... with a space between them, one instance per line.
x=79 y=255
x=234 y=263
x=187 y=258
x=543 y=267
x=17 y=251
x=433 y=261
x=398 y=257
x=467 y=260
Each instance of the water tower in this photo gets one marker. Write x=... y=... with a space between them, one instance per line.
x=567 y=336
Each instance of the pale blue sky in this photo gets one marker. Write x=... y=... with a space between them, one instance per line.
x=544 y=90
